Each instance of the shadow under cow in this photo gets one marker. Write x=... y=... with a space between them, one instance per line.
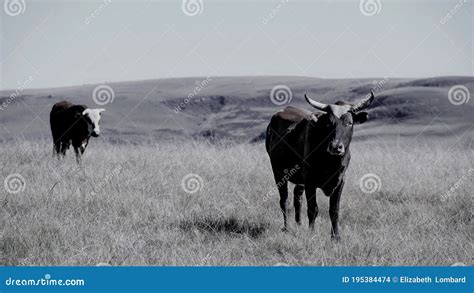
x=230 y=225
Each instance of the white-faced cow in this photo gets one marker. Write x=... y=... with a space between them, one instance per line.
x=311 y=150
x=73 y=124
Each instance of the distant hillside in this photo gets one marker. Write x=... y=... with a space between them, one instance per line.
x=240 y=107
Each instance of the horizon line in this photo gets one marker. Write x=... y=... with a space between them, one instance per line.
x=220 y=76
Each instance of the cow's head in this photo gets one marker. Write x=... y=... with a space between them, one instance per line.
x=92 y=117
x=336 y=124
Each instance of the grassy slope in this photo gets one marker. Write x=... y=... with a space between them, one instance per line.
x=142 y=216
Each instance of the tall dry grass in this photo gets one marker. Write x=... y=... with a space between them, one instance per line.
x=127 y=206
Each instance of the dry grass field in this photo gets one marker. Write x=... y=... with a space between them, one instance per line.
x=128 y=206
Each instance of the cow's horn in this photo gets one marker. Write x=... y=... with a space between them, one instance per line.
x=364 y=103
x=317 y=105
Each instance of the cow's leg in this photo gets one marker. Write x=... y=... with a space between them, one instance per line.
x=282 y=185
x=78 y=155
x=298 y=195
x=64 y=147
x=83 y=146
x=283 y=190
x=334 y=210
x=310 y=192
x=77 y=149
x=57 y=149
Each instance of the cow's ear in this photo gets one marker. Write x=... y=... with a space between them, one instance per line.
x=360 y=117
x=85 y=112
x=100 y=110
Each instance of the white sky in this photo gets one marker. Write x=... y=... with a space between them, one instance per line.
x=60 y=43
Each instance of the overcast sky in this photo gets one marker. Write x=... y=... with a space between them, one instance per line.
x=60 y=43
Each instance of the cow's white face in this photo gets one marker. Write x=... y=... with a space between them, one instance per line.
x=94 y=117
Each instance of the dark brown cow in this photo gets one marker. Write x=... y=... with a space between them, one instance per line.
x=73 y=124
x=311 y=150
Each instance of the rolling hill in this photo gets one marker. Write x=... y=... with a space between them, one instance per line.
x=239 y=108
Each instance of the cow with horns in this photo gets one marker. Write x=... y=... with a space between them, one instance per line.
x=315 y=146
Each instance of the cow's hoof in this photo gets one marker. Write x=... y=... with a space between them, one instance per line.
x=284 y=229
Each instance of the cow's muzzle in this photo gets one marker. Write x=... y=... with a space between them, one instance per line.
x=336 y=149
